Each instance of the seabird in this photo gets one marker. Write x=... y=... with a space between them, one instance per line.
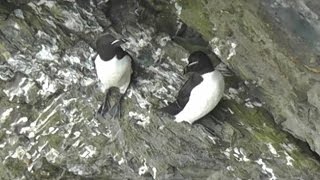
x=113 y=67
x=201 y=92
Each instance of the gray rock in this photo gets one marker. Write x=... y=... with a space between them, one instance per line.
x=50 y=94
x=277 y=47
x=314 y=95
x=18 y=13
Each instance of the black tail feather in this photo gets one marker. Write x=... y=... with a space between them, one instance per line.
x=104 y=107
x=172 y=109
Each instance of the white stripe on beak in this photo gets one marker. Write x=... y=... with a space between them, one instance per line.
x=193 y=63
x=114 y=42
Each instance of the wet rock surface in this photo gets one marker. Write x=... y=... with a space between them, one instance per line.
x=50 y=93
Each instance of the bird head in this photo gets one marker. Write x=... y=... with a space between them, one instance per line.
x=107 y=46
x=198 y=62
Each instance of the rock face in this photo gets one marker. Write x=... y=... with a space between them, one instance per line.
x=49 y=91
x=278 y=47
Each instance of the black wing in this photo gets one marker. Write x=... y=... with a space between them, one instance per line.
x=135 y=66
x=172 y=108
x=121 y=53
x=183 y=95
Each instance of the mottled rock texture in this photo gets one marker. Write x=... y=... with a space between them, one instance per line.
x=49 y=91
x=277 y=47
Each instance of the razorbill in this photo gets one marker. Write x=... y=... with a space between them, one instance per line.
x=113 y=66
x=201 y=92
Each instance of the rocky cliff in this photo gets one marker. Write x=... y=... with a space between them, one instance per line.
x=264 y=128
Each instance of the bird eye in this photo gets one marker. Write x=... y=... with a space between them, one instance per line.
x=193 y=63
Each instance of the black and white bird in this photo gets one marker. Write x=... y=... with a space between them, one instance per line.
x=113 y=66
x=201 y=93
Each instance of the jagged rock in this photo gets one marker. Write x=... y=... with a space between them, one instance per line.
x=50 y=94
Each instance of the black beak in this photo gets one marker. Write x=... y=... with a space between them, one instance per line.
x=120 y=41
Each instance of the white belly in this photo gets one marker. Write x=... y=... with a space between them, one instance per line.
x=203 y=98
x=114 y=73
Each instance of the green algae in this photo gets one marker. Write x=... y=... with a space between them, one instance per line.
x=262 y=129
x=192 y=14
x=4 y=54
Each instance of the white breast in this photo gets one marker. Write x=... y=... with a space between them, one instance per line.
x=203 y=98
x=114 y=73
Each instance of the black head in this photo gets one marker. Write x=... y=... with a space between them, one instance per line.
x=198 y=62
x=108 y=46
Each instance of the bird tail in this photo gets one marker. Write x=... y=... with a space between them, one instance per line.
x=172 y=109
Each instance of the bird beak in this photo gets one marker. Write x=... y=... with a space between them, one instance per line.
x=119 y=42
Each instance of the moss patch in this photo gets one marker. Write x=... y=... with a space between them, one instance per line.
x=4 y=54
x=192 y=13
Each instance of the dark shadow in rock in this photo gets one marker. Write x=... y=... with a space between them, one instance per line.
x=9 y=7
x=190 y=37
x=121 y=13
x=155 y=15
x=173 y=173
x=212 y=121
